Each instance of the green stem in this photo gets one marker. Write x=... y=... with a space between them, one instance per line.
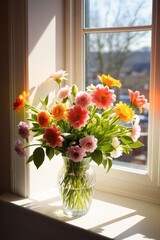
x=31 y=145
x=113 y=122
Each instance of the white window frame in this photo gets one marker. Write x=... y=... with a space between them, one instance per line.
x=18 y=74
x=127 y=182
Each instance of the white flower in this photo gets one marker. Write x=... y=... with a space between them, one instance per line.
x=115 y=142
x=91 y=88
x=117 y=152
x=61 y=74
x=136 y=119
x=136 y=131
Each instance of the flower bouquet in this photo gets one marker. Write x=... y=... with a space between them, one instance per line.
x=82 y=126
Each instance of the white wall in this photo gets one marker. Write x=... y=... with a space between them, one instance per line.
x=46 y=55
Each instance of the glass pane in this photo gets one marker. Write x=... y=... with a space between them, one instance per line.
x=117 y=13
x=125 y=56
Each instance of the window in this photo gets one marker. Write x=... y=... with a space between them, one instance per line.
x=118 y=42
x=127 y=49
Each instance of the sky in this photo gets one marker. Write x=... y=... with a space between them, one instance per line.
x=121 y=13
x=105 y=11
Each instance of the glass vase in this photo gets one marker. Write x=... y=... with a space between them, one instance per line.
x=76 y=184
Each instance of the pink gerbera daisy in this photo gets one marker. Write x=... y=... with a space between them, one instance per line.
x=83 y=99
x=53 y=136
x=76 y=153
x=103 y=97
x=89 y=143
x=77 y=116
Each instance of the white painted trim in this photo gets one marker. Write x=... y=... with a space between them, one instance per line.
x=79 y=46
x=69 y=40
x=74 y=42
x=119 y=29
x=154 y=129
x=18 y=83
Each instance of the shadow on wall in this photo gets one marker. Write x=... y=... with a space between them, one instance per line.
x=46 y=10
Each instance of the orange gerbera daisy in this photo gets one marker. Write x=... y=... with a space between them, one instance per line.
x=109 y=81
x=59 y=112
x=20 y=101
x=43 y=119
x=137 y=100
x=124 y=112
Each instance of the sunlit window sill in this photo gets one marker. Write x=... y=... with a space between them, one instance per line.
x=110 y=215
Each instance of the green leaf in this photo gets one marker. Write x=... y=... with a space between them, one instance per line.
x=30 y=159
x=107 y=147
x=126 y=149
x=97 y=156
x=127 y=140
x=136 y=144
x=105 y=123
x=98 y=129
x=49 y=152
x=46 y=100
x=38 y=157
x=39 y=132
x=107 y=112
x=36 y=125
x=33 y=117
x=109 y=165
x=107 y=162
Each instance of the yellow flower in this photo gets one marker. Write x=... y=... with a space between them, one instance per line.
x=124 y=112
x=109 y=81
x=59 y=112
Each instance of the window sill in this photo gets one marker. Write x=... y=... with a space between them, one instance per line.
x=110 y=215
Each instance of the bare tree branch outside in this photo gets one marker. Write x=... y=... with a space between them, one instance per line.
x=124 y=54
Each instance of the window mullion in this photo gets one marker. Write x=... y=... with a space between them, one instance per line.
x=117 y=29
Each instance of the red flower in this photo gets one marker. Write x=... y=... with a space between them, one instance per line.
x=78 y=116
x=103 y=97
x=53 y=136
